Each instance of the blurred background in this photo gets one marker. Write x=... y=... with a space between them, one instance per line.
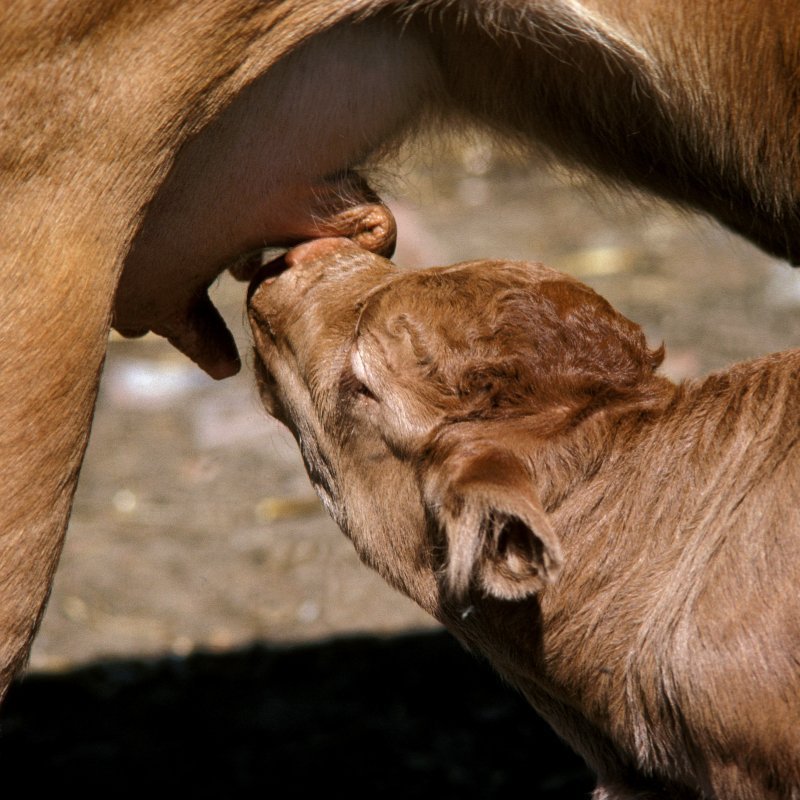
x=210 y=629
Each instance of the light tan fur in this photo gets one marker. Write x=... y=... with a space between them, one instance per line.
x=497 y=442
x=145 y=145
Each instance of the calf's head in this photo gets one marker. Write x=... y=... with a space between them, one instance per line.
x=415 y=398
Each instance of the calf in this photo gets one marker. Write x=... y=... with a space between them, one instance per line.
x=497 y=442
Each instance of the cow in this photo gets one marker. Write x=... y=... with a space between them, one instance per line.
x=146 y=146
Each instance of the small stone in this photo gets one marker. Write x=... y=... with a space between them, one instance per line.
x=272 y=509
x=124 y=501
x=75 y=609
x=308 y=612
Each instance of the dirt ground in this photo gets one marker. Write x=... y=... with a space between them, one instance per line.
x=210 y=628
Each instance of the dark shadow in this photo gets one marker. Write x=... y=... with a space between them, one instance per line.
x=410 y=716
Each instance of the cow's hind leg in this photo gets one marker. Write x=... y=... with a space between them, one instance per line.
x=54 y=324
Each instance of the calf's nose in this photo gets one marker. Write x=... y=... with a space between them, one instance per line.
x=269 y=270
x=314 y=254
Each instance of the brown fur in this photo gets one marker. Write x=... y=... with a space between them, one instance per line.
x=146 y=145
x=496 y=440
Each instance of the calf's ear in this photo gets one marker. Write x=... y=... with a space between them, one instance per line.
x=498 y=536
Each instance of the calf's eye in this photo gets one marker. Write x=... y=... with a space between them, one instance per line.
x=363 y=390
x=357 y=376
x=351 y=387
